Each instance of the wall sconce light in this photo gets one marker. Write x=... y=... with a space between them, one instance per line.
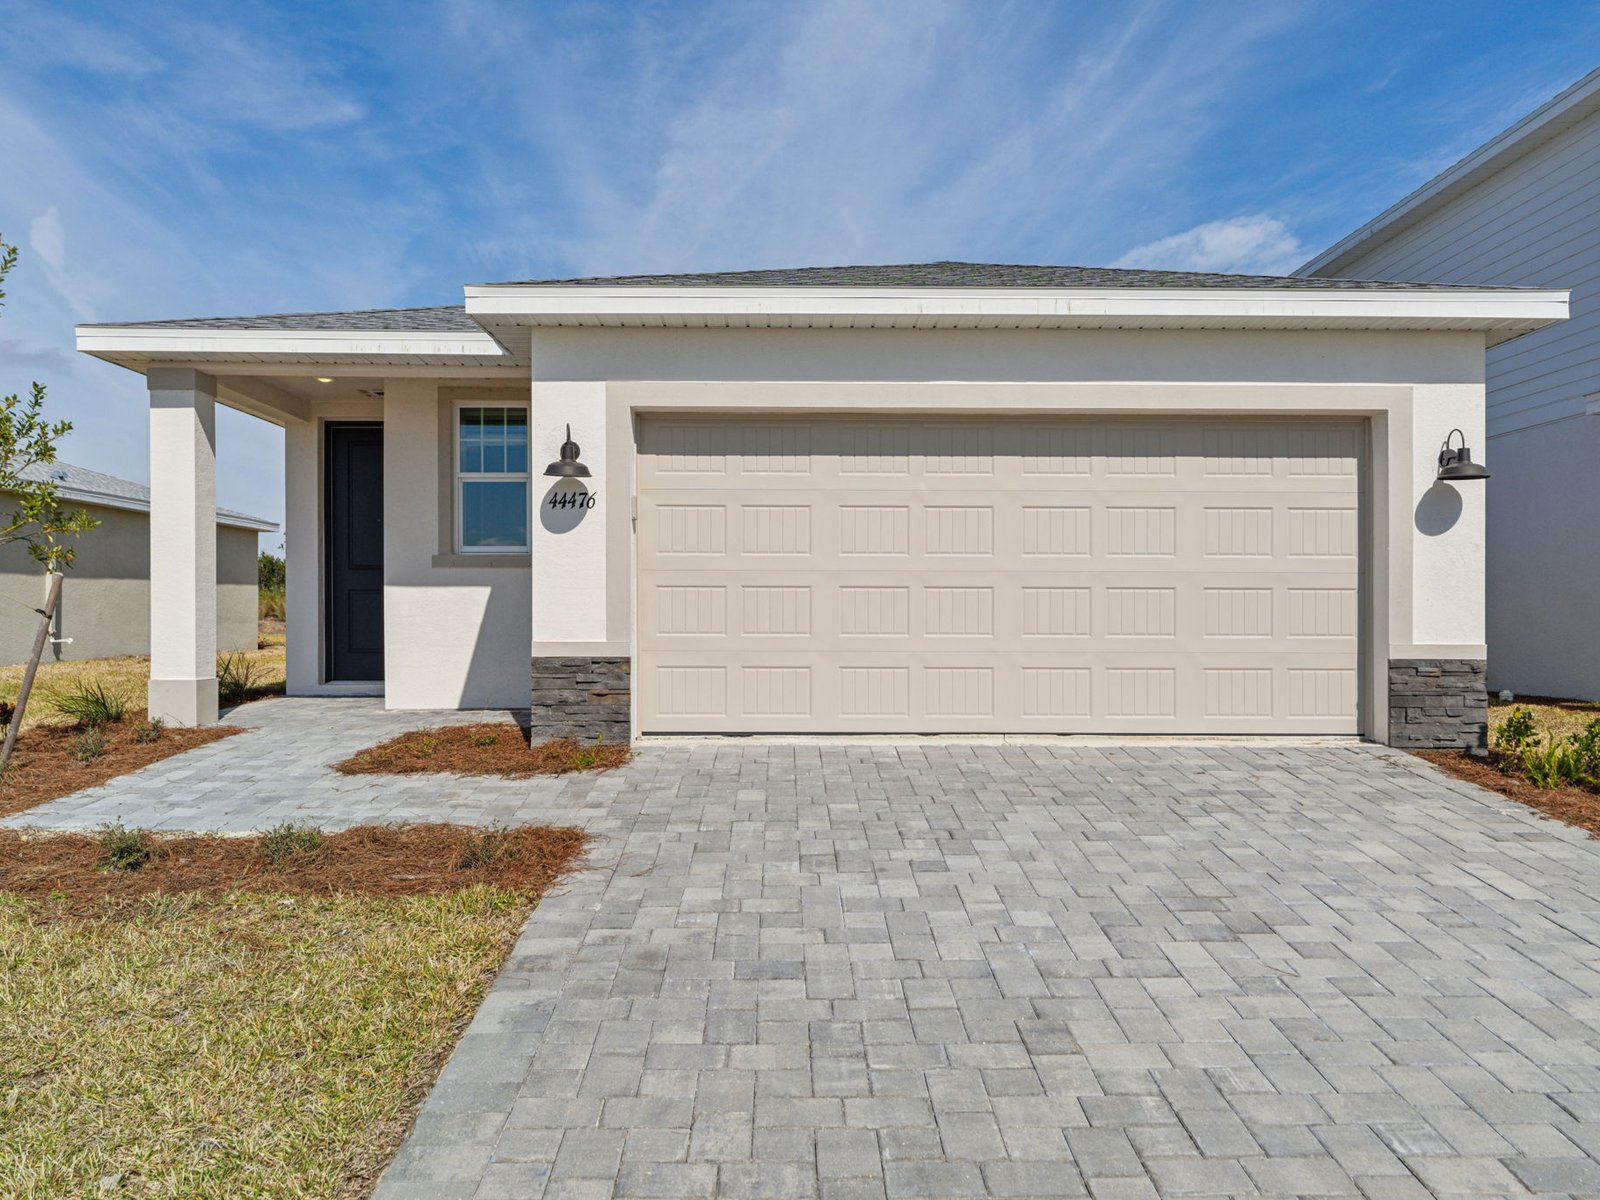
x=1458 y=464
x=568 y=466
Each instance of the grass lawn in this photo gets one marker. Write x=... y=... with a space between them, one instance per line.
x=249 y=1046
x=242 y=1017
x=1560 y=718
x=129 y=675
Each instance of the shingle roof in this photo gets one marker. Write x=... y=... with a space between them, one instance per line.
x=971 y=275
x=453 y=318
x=80 y=485
x=442 y=318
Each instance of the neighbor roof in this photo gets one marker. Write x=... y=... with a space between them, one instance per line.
x=443 y=318
x=79 y=485
x=967 y=275
x=1577 y=103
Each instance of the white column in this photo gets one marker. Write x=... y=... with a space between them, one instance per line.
x=183 y=546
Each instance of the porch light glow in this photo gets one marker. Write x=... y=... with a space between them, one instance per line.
x=568 y=465
x=1457 y=464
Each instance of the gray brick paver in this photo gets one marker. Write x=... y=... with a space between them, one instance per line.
x=909 y=969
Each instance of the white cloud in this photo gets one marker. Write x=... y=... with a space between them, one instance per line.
x=1256 y=245
x=48 y=240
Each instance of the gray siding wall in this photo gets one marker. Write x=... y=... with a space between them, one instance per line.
x=105 y=601
x=1535 y=222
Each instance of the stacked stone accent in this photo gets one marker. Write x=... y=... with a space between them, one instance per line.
x=1438 y=704
x=584 y=698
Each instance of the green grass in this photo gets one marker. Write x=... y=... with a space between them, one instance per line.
x=128 y=676
x=255 y=1046
x=1548 y=719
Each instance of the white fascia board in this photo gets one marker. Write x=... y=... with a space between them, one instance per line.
x=110 y=341
x=1543 y=123
x=1364 y=308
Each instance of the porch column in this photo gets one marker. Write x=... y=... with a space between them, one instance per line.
x=183 y=546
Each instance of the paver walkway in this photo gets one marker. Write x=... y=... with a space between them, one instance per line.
x=923 y=971
x=278 y=771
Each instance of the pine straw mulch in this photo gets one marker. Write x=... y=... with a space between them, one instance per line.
x=1574 y=805
x=43 y=767
x=483 y=749
x=369 y=860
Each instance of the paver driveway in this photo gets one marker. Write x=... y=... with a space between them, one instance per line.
x=950 y=971
x=1003 y=970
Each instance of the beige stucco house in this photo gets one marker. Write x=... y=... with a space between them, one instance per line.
x=1523 y=209
x=105 y=599
x=935 y=498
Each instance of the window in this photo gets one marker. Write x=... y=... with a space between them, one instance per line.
x=492 y=479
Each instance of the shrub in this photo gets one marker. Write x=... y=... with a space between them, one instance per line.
x=88 y=745
x=485 y=849
x=290 y=843
x=425 y=745
x=123 y=849
x=486 y=739
x=1570 y=761
x=149 y=731
x=237 y=677
x=1516 y=731
x=91 y=702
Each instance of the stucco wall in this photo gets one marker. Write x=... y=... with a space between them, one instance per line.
x=105 y=600
x=1427 y=544
x=455 y=630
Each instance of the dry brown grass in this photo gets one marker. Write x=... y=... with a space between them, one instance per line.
x=483 y=749
x=44 y=767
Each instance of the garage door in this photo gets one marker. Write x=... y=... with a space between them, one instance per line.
x=895 y=575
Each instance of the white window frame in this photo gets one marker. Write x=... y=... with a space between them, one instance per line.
x=461 y=478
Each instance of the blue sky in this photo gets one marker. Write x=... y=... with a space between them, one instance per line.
x=172 y=159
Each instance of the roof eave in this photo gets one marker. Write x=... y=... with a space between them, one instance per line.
x=138 y=347
x=1499 y=312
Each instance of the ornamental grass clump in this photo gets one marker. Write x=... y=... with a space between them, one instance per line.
x=123 y=849
x=91 y=702
x=289 y=844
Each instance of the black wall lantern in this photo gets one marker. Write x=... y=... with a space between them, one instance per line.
x=1458 y=464
x=568 y=465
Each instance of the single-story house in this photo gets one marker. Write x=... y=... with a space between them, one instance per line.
x=1523 y=209
x=935 y=498
x=105 y=598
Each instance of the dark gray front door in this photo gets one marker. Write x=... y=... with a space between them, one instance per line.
x=354 y=544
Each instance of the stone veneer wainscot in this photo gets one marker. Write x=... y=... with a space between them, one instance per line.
x=1438 y=704
x=583 y=698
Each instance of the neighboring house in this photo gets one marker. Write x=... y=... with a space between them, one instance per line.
x=1524 y=209
x=944 y=497
x=105 y=599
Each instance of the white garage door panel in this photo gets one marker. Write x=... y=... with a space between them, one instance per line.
x=1074 y=576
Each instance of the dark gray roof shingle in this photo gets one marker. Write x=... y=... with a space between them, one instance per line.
x=453 y=318
x=978 y=275
x=442 y=318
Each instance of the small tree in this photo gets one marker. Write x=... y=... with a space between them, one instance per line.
x=28 y=443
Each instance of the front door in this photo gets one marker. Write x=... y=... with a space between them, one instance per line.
x=353 y=509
